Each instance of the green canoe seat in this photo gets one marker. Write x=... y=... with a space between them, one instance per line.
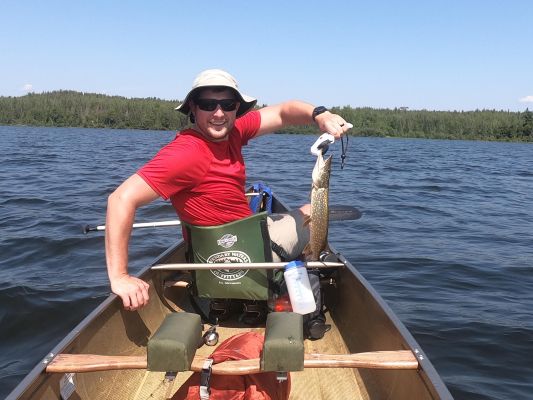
x=244 y=240
x=283 y=350
x=173 y=345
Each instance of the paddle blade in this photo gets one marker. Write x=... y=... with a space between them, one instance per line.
x=344 y=213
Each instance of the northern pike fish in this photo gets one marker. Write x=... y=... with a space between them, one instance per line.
x=319 y=218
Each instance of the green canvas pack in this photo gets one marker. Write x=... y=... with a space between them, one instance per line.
x=245 y=240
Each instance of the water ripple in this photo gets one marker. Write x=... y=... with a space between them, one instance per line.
x=445 y=238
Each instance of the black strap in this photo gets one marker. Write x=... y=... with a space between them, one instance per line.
x=344 y=150
x=266 y=240
x=189 y=253
x=267 y=250
x=280 y=251
x=189 y=256
x=205 y=377
x=197 y=308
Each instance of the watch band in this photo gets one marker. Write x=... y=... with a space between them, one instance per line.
x=318 y=110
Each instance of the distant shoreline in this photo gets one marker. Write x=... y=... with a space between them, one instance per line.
x=89 y=110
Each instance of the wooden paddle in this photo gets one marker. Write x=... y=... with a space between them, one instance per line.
x=399 y=359
x=336 y=213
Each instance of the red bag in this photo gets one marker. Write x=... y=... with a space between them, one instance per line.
x=263 y=386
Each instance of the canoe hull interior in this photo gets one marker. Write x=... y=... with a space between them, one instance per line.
x=361 y=322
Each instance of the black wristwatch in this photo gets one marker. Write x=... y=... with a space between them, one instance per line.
x=318 y=110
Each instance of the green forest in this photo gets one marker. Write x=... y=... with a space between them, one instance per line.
x=89 y=110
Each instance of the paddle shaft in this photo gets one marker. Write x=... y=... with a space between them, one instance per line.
x=175 y=222
x=399 y=359
x=89 y=228
x=336 y=213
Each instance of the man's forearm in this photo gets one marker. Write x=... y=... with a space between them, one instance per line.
x=276 y=117
x=296 y=112
x=119 y=220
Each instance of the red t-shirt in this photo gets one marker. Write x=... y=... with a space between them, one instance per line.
x=204 y=180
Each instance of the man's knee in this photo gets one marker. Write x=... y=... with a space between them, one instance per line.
x=289 y=232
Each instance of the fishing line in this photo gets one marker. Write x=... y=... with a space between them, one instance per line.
x=344 y=150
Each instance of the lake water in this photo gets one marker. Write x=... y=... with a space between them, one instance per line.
x=446 y=238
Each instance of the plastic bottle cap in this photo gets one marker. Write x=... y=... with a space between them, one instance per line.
x=293 y=264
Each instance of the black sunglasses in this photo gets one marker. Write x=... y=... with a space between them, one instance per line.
x=211 y=104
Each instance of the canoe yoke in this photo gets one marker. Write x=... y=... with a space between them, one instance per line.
x=283 y=350
x=173 y=346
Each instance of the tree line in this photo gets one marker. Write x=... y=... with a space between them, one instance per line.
x=75 y=109
x=89 y=110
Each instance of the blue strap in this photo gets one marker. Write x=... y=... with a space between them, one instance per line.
x=263 y=199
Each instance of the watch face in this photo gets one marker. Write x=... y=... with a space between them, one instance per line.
x=319 y=110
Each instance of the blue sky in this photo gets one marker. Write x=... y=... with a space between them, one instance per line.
x=435 y=55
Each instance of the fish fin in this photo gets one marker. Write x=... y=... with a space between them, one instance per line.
x=307 y=221
x=307 y=250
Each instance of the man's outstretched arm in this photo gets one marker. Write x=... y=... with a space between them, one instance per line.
x=121 y=207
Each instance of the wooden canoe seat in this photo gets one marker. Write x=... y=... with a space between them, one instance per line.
x=173 y=345
x=283 y=349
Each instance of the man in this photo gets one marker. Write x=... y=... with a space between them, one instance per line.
x=202 y=171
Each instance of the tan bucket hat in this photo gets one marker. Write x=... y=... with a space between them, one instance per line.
x=220 y=78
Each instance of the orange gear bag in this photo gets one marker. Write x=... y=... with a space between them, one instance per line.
x=262 y=386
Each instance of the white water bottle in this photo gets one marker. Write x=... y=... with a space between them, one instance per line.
x=300 y=293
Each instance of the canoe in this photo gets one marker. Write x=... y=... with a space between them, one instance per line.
x=377 y=357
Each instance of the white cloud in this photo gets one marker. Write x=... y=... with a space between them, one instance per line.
x=527 y=99
x=28 y=87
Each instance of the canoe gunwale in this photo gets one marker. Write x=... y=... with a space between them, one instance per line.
x=71 y=337
x=426 y=369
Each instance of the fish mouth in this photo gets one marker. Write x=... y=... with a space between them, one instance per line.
x=320 y=174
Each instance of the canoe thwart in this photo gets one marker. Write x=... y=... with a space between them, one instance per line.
x=258 y=265
x=395 y=359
